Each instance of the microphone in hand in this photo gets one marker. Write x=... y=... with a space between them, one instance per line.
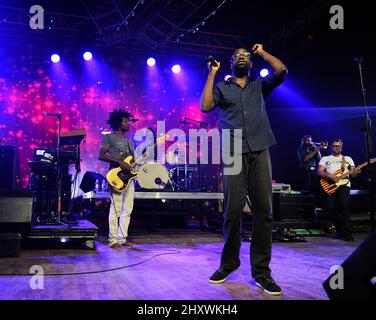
x=212 y=61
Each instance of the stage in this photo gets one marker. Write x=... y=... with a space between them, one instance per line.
x=172 y=265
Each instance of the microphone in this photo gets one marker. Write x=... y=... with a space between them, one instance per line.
x=358 y=59
x=212 y=61
x=52 y=114
x=134 y=120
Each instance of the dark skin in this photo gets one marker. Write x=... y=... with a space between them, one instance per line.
x=105 y=156
x=240 y=65
x=308 y=143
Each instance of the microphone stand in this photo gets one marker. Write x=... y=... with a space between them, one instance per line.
x=369 y=145
x=59 y=178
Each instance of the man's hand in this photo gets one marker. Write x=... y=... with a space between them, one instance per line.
x=258 y=49
x=212 y=68
x=333 y=177
x=355 y=172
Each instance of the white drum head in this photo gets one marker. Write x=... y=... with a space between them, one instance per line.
x=152 y=175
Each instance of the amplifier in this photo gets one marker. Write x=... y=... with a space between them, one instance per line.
x=15 y=213
x=292 y=206
x=10 y=244
x=67 y=154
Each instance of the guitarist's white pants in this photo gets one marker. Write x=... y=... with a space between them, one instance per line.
x=120 y=215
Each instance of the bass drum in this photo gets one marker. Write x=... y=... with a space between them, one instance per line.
x=153 y=175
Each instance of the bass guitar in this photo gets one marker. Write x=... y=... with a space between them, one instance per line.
x=119 y=179
x=330 y=187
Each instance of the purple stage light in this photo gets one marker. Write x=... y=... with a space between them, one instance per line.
x=264 y=73
x=55 y=58
x=151 y=62
x=87 y=55
x=176 y=68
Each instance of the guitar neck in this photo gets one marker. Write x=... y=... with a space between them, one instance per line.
x=157 y=141
x=361 y=166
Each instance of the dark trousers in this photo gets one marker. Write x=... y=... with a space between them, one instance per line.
x=256 y=175
x=309 y=179
x=339 y=209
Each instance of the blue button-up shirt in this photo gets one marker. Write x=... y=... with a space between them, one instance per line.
x=244 y=108
x=302 y=152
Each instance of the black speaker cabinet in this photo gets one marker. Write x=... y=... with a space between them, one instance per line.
x=359 y=274
x=15 y=212
x=8 y=167
x=292 y=206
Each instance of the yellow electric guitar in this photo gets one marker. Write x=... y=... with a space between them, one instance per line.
x=120 y=179
x=331 y=187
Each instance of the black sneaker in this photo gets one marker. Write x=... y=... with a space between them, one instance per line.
x=220 y=275
x=268 y=285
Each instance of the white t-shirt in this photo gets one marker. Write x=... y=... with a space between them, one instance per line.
x=332 y=164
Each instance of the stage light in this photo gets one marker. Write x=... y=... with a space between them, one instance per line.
x=264 y=73
x=151 y=62
x=227 y=77
x=176 y=68
x=63 y=240
x=87 y=55
x=55 y=58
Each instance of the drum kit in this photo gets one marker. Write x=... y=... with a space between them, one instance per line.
x=178 y=175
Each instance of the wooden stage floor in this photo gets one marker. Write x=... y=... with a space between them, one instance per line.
x=170 y=266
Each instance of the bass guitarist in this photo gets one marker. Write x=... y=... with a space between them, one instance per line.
x=114 y=148
x=331 y=169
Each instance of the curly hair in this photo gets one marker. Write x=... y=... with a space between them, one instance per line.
x=116 y=117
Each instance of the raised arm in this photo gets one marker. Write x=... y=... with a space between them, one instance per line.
x=206 y=100
x=278 y=67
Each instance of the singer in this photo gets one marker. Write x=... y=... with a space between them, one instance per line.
x=240 y=102
x=114 y=149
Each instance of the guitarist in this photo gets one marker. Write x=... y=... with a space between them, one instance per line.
x=114 y=148
x=328 y=166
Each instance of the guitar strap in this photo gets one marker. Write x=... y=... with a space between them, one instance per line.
x=343 y=166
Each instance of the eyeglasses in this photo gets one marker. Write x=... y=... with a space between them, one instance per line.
x=246 y=55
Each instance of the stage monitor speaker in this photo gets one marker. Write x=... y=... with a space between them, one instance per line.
x=15 y=212
x=359 y=274
x=9 y=167
x=88 y=181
